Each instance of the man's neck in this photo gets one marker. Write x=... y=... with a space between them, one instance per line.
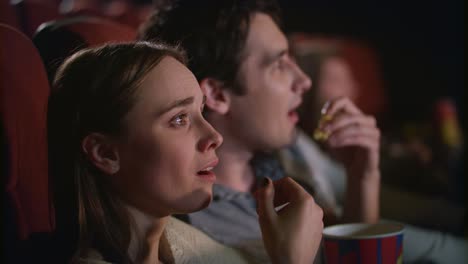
x=233 y=169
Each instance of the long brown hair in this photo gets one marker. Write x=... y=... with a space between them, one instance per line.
x=92 y=92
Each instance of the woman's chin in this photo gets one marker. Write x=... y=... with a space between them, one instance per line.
x=195 y=202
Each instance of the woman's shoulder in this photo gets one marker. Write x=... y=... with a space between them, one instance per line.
x=190 y=245
x=187 y=245
x=91 y=257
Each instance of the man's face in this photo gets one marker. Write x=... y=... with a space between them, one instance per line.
x=264 y=118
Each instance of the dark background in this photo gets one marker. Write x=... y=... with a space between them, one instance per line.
x=420 y=45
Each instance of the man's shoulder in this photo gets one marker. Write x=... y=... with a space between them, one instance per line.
x=230 y=218
x=227 y=201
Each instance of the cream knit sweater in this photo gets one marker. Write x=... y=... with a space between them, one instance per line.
x=186 y=243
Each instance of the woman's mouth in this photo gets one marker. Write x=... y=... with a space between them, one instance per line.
x=207 y=175
x=207 y=172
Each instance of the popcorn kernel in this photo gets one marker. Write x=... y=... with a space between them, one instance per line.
x=319 y=134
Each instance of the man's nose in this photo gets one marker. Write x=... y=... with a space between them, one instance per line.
x=302 y=82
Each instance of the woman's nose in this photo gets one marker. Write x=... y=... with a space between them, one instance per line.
x=211 y=139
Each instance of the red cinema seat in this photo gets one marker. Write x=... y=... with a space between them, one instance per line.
x=59 y=39
x=32 y=13
x=363 y=62
x=24 y=93
x=8 y=14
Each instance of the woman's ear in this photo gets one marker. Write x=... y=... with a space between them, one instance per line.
x=102 y=152
x=217 y=98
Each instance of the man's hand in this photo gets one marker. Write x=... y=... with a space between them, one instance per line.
x=354 y=138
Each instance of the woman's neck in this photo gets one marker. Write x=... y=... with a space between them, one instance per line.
x=146 y=237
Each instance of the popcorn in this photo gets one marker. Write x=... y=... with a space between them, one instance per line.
x=319 y=134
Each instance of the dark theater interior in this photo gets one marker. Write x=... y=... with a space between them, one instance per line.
x=405 y=59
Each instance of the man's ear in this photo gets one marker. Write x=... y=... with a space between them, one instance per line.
x=102 y=152
x=217 y=98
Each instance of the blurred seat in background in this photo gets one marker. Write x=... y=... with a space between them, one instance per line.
x=28 y=15
x=56 y=40
x=363 y=62
x=28 y=211
x=32 y=13
x=130 y=13
x=8 y=14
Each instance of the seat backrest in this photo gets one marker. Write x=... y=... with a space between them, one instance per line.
x=8 y=14
x=23 y=104
x=59 y=39
x=97 y=31
x=32 y=13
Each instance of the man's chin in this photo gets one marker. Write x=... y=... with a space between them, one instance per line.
x=291 y=138
x=294 y=135
x=274 y=143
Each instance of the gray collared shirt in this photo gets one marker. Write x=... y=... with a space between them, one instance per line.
x=230 y=219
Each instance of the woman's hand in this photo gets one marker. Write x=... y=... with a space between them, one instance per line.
x=293 y=233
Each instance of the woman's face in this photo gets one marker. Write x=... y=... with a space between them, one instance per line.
x=167 y=148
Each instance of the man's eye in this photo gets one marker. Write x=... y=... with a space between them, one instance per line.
x=180 y=120
x=280 y=64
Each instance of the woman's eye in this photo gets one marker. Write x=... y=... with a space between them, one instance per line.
x=180 y=120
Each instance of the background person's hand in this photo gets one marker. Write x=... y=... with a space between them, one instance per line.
x=293 y=233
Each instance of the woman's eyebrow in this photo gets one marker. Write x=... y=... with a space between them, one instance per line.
x=177 y=103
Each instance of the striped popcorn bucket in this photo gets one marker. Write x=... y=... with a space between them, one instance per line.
x=360 y=243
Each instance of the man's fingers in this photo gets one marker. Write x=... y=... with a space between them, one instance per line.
x=355 y=141
x=354 y=131
x=341 y=121
x=342 y=104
